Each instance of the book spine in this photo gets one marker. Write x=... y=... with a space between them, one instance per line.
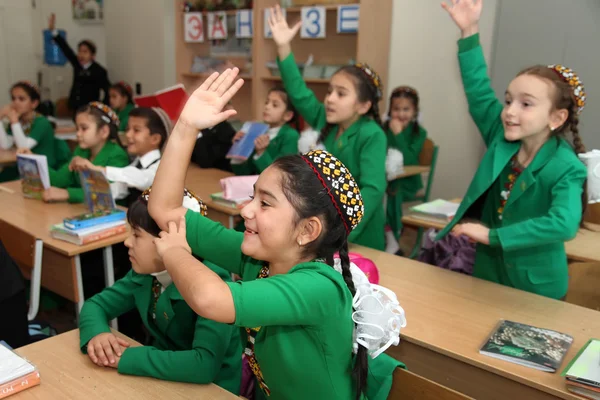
x=94 y=237
x=19 y=384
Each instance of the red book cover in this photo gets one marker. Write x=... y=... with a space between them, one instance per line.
x=171 y=99
x=19 y=384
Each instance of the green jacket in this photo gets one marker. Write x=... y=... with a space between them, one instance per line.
x=186 y=347
x=361 y=147
x=543 y=211
x=284 y=144
x=112 y=155
x=404 y=189
x=124 y=116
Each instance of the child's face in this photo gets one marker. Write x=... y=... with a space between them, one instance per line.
x=117 y=100
x=403 y=109
x=139 y=138
x=84 y=55
x=88 y=134
x=341 y=101
x=21 y=101
x=528 y=108
x=269 y=220
x=142 y=252
x=275 y=112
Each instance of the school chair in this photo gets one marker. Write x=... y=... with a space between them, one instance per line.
x=428 y=157
x=407 y=385
x=27 y=251
x=584 y=281
x=62 y=109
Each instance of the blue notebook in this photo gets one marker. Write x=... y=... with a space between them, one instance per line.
x=243 y=148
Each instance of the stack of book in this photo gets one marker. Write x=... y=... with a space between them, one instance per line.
x=436 y=211
x=16 y=373
x=583 y=372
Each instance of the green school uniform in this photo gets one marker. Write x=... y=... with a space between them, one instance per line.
x=543 y=210
x=111 y=155
x=284 y=144
x=124 y=116
x=405 y=189
x=185 y=348
x=362 y=148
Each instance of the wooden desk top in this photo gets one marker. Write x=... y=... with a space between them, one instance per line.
x=8 y=157
x=36 y=217
x=453 y=314
x=66 y=373
x=411 y=170
x=206 y=181
x=583 y=248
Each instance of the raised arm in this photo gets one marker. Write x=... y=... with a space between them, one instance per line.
x=62 y=43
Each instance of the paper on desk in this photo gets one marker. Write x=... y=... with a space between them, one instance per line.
x=12 y=366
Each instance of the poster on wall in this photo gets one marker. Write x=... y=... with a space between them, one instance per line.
x=88 y=11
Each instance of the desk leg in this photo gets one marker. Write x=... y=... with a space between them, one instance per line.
x=80 y=295
x=109 y=276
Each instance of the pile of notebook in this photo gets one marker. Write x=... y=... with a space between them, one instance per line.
x=236 y=191
x=583 y=372
x=16 y=373
x=102 y=220
x=436 y=211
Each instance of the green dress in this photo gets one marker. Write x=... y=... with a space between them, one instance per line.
x=111 y=155
x=543 y=210
x=361 y=147
x=124 y=116
x=404 y=189
x=185 y=347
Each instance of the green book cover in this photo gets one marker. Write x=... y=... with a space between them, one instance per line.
x=538 y=348
x=585 y=366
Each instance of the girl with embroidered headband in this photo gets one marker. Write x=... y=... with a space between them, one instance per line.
x=349 y=123
x=98 y=142
x=28 y=130
x=293 y=301
x=120 y=97
x=527 y=192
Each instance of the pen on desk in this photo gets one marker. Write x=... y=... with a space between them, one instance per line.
x=7 y=190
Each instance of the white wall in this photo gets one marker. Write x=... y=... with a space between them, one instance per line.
x=423 y=55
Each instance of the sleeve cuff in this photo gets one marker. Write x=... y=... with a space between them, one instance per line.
x=75 y=195
x=494 y=238
x=288 y=60
x=55 y=33
x=86 y=335
x=128 y=360
x=468 y=43
x=112 y=173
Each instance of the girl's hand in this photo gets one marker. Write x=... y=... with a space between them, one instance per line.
x=24 y=150
x=81 y=164
x=55 y=194
x=204 y=107
x=5 y=110
x=466 y=15
x=174 y=238
x=396 y=126
x=106 y=349
x=13 y=115
x=261 y=143
x=476 y=232
x=237 y=136
x=52 y=22
x=282 y=33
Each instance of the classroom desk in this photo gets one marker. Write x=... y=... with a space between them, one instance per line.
x=61 y=272
x=584 y=247
x=8 y=157
x=205 y=181
x=411 y=170
x=450 y=315
x=66 y=373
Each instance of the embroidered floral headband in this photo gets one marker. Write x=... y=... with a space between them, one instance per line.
x=190 y=201
x=405 y=89
x=570 y=77
x=373 y=76
x=126 y=86
x=340 y=185
x=110 y=117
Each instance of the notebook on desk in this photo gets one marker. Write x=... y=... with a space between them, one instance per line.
x=16 y=373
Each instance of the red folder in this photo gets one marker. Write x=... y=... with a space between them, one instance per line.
x=171 y=99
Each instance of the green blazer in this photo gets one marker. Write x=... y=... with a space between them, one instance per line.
x=186 y=348
x=284 y=144
x=361 y=147
x=404 y=189
x=544 y=208
x=124 y=116
x=112 y=155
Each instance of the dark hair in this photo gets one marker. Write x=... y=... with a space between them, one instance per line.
x=31 y=91
x=153 y=121
x=139 y=217
x=122 y=89
x=366 y=90
x=309 y=198
x=89 y=44
x=405 y=92
x=563 y=98
x=100 y=122
x=294 y=122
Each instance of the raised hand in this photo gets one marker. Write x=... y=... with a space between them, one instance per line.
x=205 y=106
x=466 y=14
x=281 y=31
x=52 y=22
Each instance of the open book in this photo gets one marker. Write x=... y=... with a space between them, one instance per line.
x=35 y=178
x=171 y=99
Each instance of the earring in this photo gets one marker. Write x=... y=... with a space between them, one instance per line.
x=299 y=242
x=552 y=129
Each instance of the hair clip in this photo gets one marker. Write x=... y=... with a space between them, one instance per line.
x=126 y=86
x=110 y=116
x=570 y=77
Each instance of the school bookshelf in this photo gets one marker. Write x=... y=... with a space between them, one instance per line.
x=370 y=44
